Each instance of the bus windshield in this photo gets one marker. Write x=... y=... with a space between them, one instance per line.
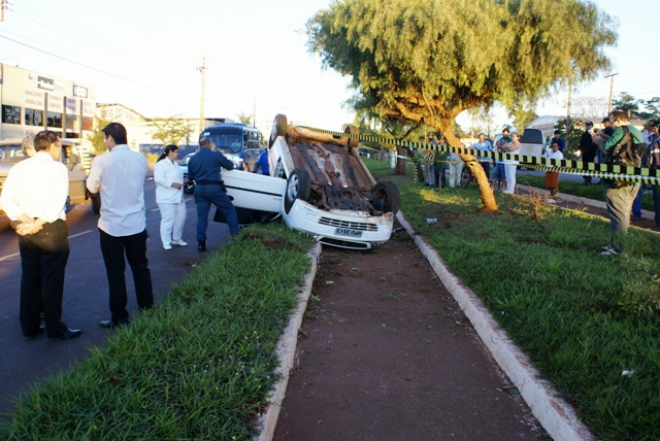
x=227 y=140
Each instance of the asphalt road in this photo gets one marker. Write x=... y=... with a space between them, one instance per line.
x=562 y=176
x=85 y=292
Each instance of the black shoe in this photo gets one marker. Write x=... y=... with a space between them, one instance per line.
x=69 y=334
x=201 y=245
x=35 y=334
x=109 y=324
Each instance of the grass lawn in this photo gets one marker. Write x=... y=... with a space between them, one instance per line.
x=197 y=366
x=575 y=188
x=581 y=317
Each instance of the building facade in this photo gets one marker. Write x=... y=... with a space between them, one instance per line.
x=32 y=101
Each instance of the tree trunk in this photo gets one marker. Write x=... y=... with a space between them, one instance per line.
x=485 y=190
x=400 y=162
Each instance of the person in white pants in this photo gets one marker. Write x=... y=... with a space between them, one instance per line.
x=455 y=167
x=510 y=166
x=169 y=196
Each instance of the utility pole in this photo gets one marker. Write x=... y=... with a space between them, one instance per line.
x=568 y=114
x=254 y=111
x=201 y=105
x=609 y=104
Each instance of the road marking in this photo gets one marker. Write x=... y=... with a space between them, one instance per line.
x=11 y=256
x=81 y=234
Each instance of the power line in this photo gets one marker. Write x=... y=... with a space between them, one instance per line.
x=95 y=69
x=45 y=22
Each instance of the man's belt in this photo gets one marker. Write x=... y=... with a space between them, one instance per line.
x=205 y=182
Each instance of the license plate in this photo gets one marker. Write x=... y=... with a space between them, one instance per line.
x=347 y=232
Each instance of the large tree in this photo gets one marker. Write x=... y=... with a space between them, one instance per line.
x=97 y=136
x=170 y=130
x=628 y=103
x=428 y=60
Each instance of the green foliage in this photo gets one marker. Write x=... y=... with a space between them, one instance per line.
x=523 y=113
x=627 y=102
x=97 y=136
x=245 y=119
x=572 y=141
x=652 y=107
x=152 y=158
x=171 y=130
x=582 y=318
x=642 y=296
x=198 y=365
x=426 y=61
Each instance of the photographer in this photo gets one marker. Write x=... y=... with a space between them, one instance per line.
x=588 y=148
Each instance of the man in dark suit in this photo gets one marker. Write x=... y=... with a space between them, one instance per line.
x=588 y=148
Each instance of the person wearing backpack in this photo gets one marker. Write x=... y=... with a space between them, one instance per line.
x=626 y=148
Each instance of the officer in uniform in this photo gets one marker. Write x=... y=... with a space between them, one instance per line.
x=204 y=168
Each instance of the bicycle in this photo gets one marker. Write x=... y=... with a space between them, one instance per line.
x=466 y=177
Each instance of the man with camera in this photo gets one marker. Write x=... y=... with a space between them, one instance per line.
x=588 y=148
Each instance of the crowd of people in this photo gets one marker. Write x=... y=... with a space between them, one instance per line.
x=34 y=198
x=623 y=198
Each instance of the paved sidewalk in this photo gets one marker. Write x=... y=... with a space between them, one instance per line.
x=385 y=353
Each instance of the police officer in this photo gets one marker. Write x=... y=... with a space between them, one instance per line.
x=204 y=168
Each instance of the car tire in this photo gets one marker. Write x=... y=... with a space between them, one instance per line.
x=280 y=125
x=386 y=197
x=353 y=142
x=298 y=186
x=96 y=204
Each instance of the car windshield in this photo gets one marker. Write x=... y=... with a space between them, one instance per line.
x=184 y=162
x=11 y=153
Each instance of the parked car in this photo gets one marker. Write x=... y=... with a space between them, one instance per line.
x=190 y=187
x=321 y=187
x=11 y=152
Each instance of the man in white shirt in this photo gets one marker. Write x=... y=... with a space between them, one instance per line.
x=120 y=175
x=34 y=198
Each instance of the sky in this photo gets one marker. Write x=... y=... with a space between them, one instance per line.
x=146 y=55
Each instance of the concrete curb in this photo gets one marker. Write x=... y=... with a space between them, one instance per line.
x=646 y=214
x=556 y=416
x=286 y=350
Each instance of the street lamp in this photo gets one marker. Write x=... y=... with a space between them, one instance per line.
x=609 y=104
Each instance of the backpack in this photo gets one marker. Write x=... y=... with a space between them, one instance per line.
x=627 y=153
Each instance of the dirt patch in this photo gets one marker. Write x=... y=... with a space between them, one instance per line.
x=385 y=353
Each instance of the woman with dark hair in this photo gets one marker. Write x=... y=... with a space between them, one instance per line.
x=169 y=196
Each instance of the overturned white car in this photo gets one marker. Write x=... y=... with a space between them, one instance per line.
x=321 y=187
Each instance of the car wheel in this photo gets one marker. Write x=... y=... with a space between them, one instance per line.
x=279 y=128
x=298 y=186
x=386 y=197
x=96 y=204
x=353 y=142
